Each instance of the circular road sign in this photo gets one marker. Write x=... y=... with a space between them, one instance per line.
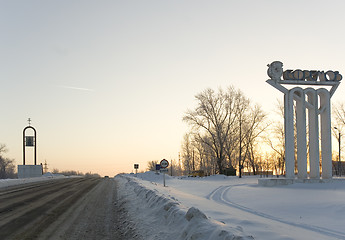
x=164 y=163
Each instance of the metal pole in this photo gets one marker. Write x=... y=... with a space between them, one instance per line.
x=193 y=160
x=24 y=146
x=35 y=141
x=240 y=156
x=164 y=179
x=339 y=159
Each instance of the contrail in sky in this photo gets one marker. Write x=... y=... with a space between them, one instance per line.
x=78 y=88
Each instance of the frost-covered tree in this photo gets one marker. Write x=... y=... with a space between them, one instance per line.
x=226 y=128
x=212 y=118
x=151 y=165
x=7 y=167
x=187 y=153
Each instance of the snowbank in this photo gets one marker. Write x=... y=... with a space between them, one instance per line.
x=167 y=218
x=12 y=182
x=304 y=210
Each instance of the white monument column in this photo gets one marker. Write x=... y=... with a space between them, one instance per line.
x=326 y=143
x=314 y=149
x=289 y=136
x=298 y=95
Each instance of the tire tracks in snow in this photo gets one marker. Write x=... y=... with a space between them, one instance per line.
x=219 y=195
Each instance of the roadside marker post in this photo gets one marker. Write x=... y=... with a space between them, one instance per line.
x=164 y=164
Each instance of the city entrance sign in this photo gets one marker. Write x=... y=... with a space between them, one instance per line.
x=301 y=105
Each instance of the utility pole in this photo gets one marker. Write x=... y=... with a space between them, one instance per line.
x=339 y=158
x=179 y=160
x=193 y=160
x=240 y=156
x=45 y=166
x=179 y=164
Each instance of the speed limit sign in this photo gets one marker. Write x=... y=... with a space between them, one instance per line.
x=164 y=163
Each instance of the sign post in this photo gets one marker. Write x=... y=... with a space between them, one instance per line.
x=136 y=166
x=158 y=167
x=163 y=165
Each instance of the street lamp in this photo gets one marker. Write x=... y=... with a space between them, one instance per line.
x=339 y=164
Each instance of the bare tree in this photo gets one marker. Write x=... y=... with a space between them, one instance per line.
x=338 y=120
x=276 y=140
x=7 y=167
x=234 y=139
x=151 y=165
x=213 y=118
x=175 y=168
x=225 y=129
x=209 y=160
x=253 y=129
x=198 y=153
x=242 y=106
x=187 y=149
x=339 y=113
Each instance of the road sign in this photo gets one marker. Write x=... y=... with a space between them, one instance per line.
x=136 y=166
x=163 y=170
x=164 y=163
x=158 y=167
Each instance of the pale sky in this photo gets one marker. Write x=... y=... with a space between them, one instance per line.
x=106 y=83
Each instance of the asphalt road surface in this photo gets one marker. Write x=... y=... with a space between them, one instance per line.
x=74 y=208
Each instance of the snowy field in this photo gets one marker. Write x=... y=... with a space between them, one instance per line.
x=220 y=207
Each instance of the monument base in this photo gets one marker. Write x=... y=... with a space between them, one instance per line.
x=29 y=171
x=270 y=182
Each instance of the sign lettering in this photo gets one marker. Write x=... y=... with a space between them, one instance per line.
x=312 y=75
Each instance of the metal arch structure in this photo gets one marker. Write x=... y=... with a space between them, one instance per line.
x=317 y=103
x=24 y=143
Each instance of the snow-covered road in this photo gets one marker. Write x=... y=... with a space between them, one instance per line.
x=63 y=208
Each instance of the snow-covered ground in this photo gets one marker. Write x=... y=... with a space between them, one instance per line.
x=13 y=182
x=220 y=207
x=223 y=208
